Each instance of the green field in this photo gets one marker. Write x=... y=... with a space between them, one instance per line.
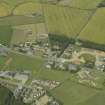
x=95 y=29
x=21 y=9
x=5 y=34
x=59 y=20
x=20 y=61
x=64 y=20
x=82 y=4
x=4 y=10
x=71 y=93
x=98 y=99
x=6 y=24
x=20 y=20
x=7 y=98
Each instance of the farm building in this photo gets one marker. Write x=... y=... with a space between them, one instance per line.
x=93 y=35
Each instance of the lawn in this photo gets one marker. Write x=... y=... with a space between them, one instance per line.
x=95 y=29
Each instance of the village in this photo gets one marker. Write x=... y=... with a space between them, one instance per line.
x=52 y=52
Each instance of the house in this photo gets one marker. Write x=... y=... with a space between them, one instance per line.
x=72 y=67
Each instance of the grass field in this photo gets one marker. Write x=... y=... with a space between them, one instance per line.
x=95 y=29
x=64 y=20
x=6 y=24
x=97 y=99
x=4 y=9
x=5 y=35
x=20 y=20
x=71 y=93
x=82 y=4
x=27 y=8
x=22 y=62
x=53 y=75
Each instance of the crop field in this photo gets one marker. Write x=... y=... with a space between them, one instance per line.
x=6 y=24
x=27 y=9
x=64 y=20
x=19 y=35
x=59 y=19
x=86 y=4
x=4 y=10
x=5 y=34
x=19 y=20
x=94 y=31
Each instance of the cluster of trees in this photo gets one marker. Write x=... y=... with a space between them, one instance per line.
x=60 y=40
x=102 y=4
x=89 y=60
x=92 y=45
x=7 y=97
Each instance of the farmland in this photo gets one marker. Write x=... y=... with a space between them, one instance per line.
x=74 y=19
x=94 y=30
x=5 y=34
x=4 y=10
x=71 y=20
x=87 y=4
x=32 y=8
x=71 y=93
x=6 y=24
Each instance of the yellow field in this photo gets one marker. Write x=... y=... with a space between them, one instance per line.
x=95 y=29
x=27 y=8
x=64 y=20
x=4 y=10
